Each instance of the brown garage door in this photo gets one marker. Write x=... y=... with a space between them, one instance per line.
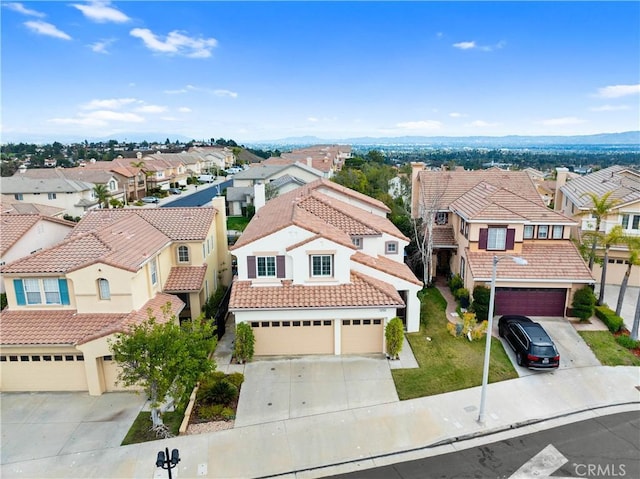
x=284 y=338
x=362 y=336
x=530 y=301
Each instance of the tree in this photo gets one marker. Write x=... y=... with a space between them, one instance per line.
x=164 y=358
x=140 y=167
x=613 y=237
x=394 y=335
x=244 y=342
x=583 y=303
x=600 y=208
x=634 y=260
x=352 y=178
x=270 y=192
x=102 y=194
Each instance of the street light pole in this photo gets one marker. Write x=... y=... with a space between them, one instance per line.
x=168 y=462
x=487 y=348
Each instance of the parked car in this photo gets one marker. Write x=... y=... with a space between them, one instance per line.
x=206 y=178
x=175 y=191
x=150 y=199
x=533 y=347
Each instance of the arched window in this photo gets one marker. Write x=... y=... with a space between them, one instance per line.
x=183 y=254
x=103 y=289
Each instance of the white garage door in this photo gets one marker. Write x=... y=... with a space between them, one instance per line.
x=362 y=336
x=285 y=338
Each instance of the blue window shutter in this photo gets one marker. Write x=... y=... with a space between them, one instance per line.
x=64 y=291
x=19 y=288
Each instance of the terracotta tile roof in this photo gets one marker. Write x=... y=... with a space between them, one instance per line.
x=443 y=236
x=309 y=208
x=99 y=176
x=126 y=244
x=487 y=202
x=185 y=279
x=25 y=185
x=15 y=226
x=363 y=291
x=451 y=185
x=61 y=327
x=179 y=224
x=623 y=182
x=386 y=265
x=10 y=206
x=546 y=262
x=323 y=157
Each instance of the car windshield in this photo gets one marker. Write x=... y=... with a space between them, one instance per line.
x=543 y=350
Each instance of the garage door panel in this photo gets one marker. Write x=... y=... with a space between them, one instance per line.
x=362 y=336
x=66 y=374
x=530 y=301
x=281 y=338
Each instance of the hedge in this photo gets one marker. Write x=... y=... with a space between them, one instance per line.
x=610 y=318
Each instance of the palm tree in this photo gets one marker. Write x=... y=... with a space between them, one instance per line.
x=613 y=237
x=102 y=193
x=601 y=206
x=634 y=260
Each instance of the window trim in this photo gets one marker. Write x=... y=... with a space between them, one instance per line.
x=183 y=254
x=554 y=229
x=266 y=266
x=104 y=291
x=502 y=246
x=321 y=274
x=358 y=241
x=544 y=228
x=387 y=244
x=532 y=232
x=153 y=271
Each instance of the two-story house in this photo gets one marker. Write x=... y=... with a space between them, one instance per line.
x=623 y=184
x=325 y=158
x=321 y=271
x=66 y=302
x=485 y=213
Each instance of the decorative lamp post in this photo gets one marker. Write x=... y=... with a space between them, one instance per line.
x=166 y=462
x=487 y=349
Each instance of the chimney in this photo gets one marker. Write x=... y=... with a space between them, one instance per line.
x=223 y=257
x=139 y=155
x=259 y=198
x=561 y=180
x=309 y=161
x=416 y=168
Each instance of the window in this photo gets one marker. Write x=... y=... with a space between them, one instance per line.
x=154 y=271
x=543 y=232
x=528 y=232
x=635 y=224
x=497 y=239
x=625 y=222
x=51 y=196
x=103 y=289
x=18 y=196
x=32 y=291
x=112 y=185
x=442 y=218
x=462 y=267
x=556 y=232
x=357 y=242
x=322 y=265
x=266 y=266
x=51 y=290
x=462 y=225
x=183 y=254
x=391 y=247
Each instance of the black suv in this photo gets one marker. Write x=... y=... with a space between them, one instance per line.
x=533 y=347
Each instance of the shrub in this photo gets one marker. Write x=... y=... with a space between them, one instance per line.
x=209 y=412
x=245 y=342
x=583 y=303
x=627 y=342
x=480 y=305
x=222 y=392
x=455 y=283
x=227 y=414
x=462 y=295
x=394 y=335
x=236 y=379
x=609 y=318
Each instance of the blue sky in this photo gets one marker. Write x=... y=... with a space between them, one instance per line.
x=254 y=71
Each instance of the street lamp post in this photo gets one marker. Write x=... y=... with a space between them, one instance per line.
x=168 y=462
x=487 y=348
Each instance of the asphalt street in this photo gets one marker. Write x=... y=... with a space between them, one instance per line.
x=197 y=197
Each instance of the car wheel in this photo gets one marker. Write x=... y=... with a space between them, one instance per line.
x=519 y=359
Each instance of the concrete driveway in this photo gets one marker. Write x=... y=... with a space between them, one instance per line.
x=40 y=425
x=574 y=352
x=278 y=389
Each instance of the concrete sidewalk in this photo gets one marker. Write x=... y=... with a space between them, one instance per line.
x=324 y=444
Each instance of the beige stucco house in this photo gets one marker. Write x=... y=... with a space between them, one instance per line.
x=573 y=200
x=485 y=213
x=321 y=271
x=66 y=302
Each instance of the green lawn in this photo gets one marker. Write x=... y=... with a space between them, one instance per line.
x=140 y=430
x=607 y=350
x=238 y=223
x=446 y=363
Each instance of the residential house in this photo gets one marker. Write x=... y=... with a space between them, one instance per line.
x=278 y=179
x=573 y=200
x=215 y=157
x=73 y=196
x=325 y=158
x=13 y=206
x=478 y=215
x=66 y=302
x=321 y=271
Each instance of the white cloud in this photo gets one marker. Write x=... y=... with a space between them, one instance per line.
x=481 y=124
x=111 y=104
x=20 y=8
x=176 y=43
x=151 y=109
x=567 y=120
x=101 y=46
x=184 y=109
x=610 y=108
x=225 y=93
x=108 y=115
x=101 y=12
x=616 y=91
x=420 y=125
x=312 y=119
x=169 y=118
x=176 y=92
x=44 y=28
x=455 y=114
x=465 y=45
x=472 y=45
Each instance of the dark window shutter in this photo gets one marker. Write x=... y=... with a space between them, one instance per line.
x=19 y=289
x=484 y=234
x=64 y=291
x=511 y=237
x=251 y=266
x=280 y=272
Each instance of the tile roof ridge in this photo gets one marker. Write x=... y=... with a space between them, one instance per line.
x=374 y=283
x=327 y=200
